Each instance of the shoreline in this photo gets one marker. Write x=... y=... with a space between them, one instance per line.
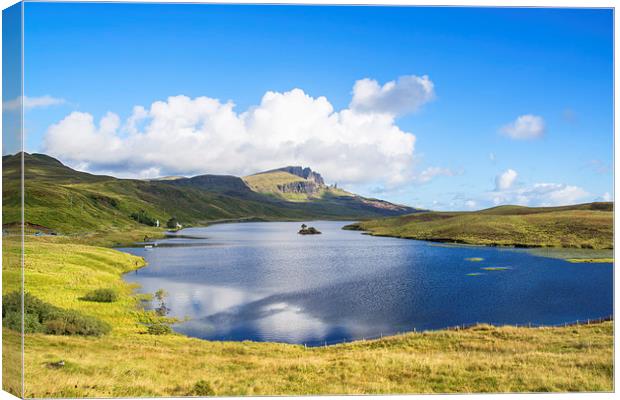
x=462 y=242
x=448 y=328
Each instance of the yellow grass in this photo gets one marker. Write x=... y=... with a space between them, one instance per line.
x=129 y=362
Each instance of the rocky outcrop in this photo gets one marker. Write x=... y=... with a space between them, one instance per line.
x=306 y=187
x=305 y=173
x=308 y=230
x=312 y=184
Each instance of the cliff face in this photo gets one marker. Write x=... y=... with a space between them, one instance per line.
x=305 y=173
x=312 y=184
x=308 y=187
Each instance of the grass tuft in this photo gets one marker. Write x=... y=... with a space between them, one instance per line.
x=101 y=296
x=203 y=388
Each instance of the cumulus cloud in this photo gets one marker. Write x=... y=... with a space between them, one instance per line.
x=505 y=180
x=31 y=102
x=542 y=194
x=405 y=95
x=506 y=192
x=525 y=127
x=538 y=194
x=185 y=136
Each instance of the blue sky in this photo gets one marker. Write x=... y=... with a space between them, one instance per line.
x=488 y=67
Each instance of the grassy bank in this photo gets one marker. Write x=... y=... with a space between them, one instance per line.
x=130 y=362
x=582 y=226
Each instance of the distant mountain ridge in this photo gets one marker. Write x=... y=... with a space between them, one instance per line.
x=62 y=199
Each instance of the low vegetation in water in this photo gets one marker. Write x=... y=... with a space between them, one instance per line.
x=128 y=361
x=590 y=260
x=587 y=226
x=495 y=268
x=474 y=259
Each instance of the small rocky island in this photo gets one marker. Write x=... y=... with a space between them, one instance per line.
x=308 y=230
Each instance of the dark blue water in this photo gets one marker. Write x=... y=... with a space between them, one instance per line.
x=264 y=282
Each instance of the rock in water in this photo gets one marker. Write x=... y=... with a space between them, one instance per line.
x=308 y=231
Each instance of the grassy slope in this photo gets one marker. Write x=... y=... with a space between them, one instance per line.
x=73 y=202
x=582 y=226
x=128 y=362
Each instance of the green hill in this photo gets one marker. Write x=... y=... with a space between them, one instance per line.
x=297 y=184
x=293 y=184
x=580 y=226
x=61 y=199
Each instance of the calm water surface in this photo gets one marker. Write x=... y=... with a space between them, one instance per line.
x=264 y=282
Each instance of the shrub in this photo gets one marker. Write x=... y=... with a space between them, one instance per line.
x=69 y=322
x=101 y=296
x=143 y=218
x=35 y=312
x=40 y=316
x=172 y=223
x=203 y=388
x=159 y=329
x=32 y=324
x=13 y=320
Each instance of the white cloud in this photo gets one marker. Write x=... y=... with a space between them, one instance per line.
x=431 y=172
x=599 y=166
x=605 y=197
x=542 y=194
x=31 y=102
x=185 y=136
x=471 y=204
x=525 y=127
x=533 y=195
x=505 y=179
x=403 y=96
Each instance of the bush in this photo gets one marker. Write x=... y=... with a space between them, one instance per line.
x=203 y=388
x=159 y=329
x=172 y=223
x=143 y=218
x=40 y=316
x=32 y=324
x=35 y=312
x=101 y=296
x=13 y=320
x=69 y=322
